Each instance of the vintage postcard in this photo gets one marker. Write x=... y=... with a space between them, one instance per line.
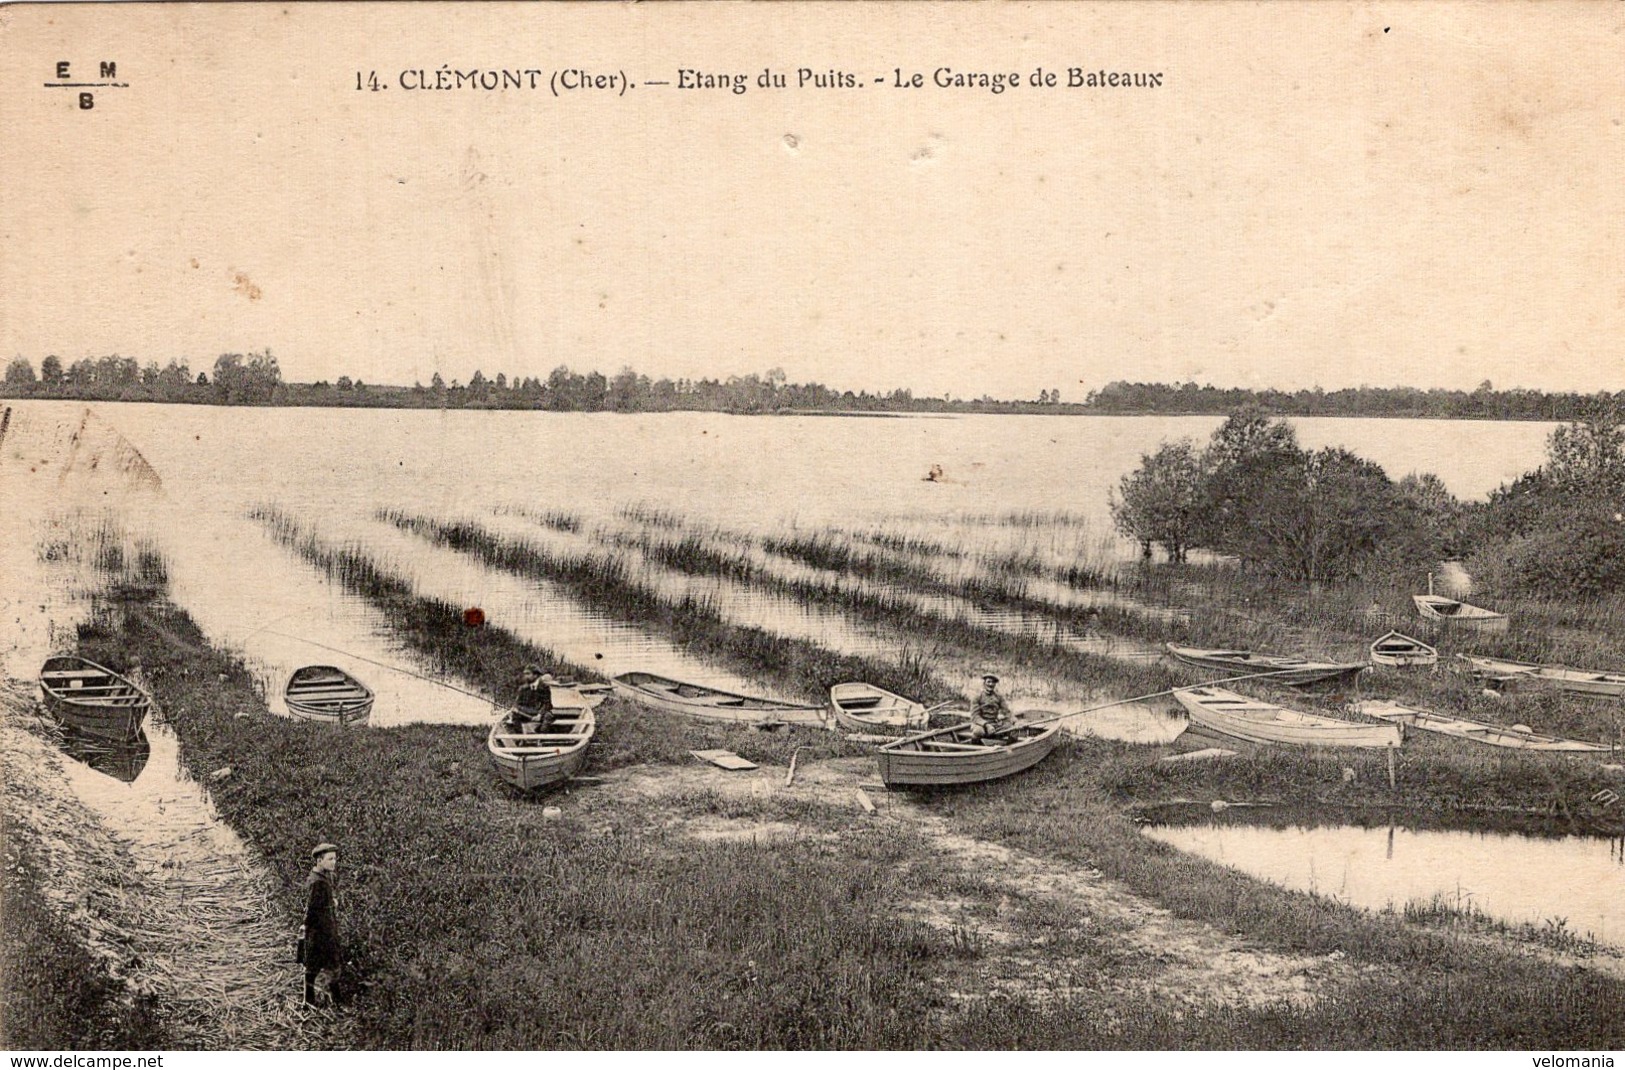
x=890 y=526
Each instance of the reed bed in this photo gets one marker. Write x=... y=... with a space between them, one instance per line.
x=897 y=611
x=845 y=566
x=605 y=583
x=487 y=657
x=558 y=520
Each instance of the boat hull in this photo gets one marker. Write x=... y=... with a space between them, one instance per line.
x=1575 y=681
x=1402 y=651
x=1478 y=731
x=92 y=698
x=1264 y=722
x=1294 y=672
x=327 y=695
x=1459 y=614
x=860 y=707
x=910 y=763
x=674 y=696
x=530 y=762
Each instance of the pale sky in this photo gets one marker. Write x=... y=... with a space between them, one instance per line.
x=1399 y=194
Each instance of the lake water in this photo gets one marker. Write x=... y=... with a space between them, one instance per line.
x=333 y=469
x=1514 y=878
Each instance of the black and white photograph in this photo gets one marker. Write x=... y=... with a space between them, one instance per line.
x=875 y=527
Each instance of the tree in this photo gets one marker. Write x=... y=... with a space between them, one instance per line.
x=246 y=380
x=50 y=370
x=20 y=373
x=1160 y=501
x=1586 y=458
x=1250 y=461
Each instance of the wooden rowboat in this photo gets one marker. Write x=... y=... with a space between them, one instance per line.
x=327 y=694
x=532 y=760
x=674 y=696
x=1518 y=737
x=92 y=698
x=862 y=707
x=1579 y=681
x=1401 y=650
x=1459 y=614
x=1296 y=672
x=951 y=757
x=1264 y=722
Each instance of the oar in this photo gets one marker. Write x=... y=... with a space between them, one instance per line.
x=1106 y=705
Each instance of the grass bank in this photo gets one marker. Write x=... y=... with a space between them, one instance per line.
x=56 y=994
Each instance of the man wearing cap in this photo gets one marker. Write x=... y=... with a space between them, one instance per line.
x=320 y=934
x=534 y=704
x=989 y=714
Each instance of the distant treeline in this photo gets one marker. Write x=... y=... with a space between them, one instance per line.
x=255 y=379
x=1483 y=403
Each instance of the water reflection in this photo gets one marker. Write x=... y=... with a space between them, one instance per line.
x=1572 y=880
x=122 y=759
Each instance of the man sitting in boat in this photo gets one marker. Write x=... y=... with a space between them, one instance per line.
x=533 y=708
x=990 y=716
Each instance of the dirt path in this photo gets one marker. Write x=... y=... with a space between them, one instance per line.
x=168 y=898
x=1147 y=949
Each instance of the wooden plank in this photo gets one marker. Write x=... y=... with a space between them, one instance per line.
x=723 y=759
x=863 y=800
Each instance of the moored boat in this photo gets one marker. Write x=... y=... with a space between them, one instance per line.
x=861 y=707
x=1258 y=721
x=92 y=698
x=1518 y=737
x=1459 y=614
x=1401 y=650
x=327 y=694
x=1294 y=671
x=532 y=760
x=951 y=757
x=674 y=696
x=1578 y=681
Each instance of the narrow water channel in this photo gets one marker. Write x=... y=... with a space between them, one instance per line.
x=1573 y=882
